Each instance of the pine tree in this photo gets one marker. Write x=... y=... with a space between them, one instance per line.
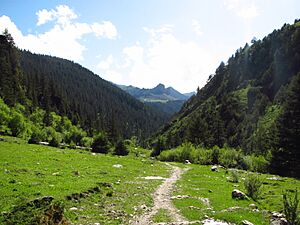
x=286 y=155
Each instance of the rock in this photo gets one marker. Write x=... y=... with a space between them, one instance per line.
x=238 y=194
x=246 y=222
x=180 y=197
x=73 y=209
x=252 y=206
x=278 y=219
x=117 y=166
x=187 y=161
x=214 y=168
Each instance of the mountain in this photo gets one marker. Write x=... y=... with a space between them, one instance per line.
x=61 y=86
x=251 y=103
x=157 y=94
x=167 y=100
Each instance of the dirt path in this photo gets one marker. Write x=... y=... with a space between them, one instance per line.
x=162 y=200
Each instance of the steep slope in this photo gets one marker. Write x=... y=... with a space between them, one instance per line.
x=64 y=87
x=243 y=103
x=67 y=88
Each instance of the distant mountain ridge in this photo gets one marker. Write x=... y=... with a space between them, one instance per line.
x=167 y=100
x=157 y=94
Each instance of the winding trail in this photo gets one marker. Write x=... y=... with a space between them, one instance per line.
x=162 y=200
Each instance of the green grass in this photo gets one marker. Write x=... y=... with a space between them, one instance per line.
x=199 y=182
x=32 y=171
x=162 y=216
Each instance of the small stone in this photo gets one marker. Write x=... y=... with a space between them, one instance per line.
x=252 y=206
x=187 y=161
x=117 y=166
x=214 y=168
x=246 y=222
x=73 y=209
x=238 y=194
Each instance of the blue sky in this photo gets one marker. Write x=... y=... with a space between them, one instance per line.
x=175 y=42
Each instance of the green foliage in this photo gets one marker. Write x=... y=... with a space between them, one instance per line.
x=17 y=124
x=121 y=148
x=253 y=184
x=290 y=205
x=56 y=139
x=101 y=144
x=5 y=117
x=234 y=176
x=286 y=154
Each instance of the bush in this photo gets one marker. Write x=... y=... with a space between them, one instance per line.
x=290 y=208
x=202 y=156
x=215 y=155
x=86 y=142
x=56 y=140
x=101 y=144
x=260 y=164
x=252 y=185
x=36 y=136
x=234 y=176
x=185 y=152
x=228 y=158
x=121 y=149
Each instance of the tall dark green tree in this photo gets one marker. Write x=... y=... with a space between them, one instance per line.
x=286 y=155
x=11 y=78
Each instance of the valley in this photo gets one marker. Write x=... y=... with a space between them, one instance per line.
x=103 y=189
x=78 y=149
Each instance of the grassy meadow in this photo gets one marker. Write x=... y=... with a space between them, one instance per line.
x=33 y=171
x=97 y=188
x=208 y=193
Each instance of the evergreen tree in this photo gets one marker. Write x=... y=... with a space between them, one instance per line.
x=286 y=155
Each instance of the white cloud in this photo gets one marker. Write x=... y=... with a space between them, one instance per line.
x=163 y=59
x=63 y=15
x=63 y=39
x=245 y=9
x=106 y=29
x=197 y=28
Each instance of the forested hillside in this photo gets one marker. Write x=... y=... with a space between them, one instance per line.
x=252 y=102
x=61 y=86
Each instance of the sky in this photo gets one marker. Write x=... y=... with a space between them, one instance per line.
x=178 y=43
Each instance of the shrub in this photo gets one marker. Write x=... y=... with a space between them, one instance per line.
x=121 y=149
x=234 y=176
x=101 y=144
x=202 y=156
x=290 y=208
x=86 y=141
x=252 y=185
x=215 y=155
x=185 y=152
x=260 y=164
x=56 y=140
x=228 y=158
x=37 y=136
